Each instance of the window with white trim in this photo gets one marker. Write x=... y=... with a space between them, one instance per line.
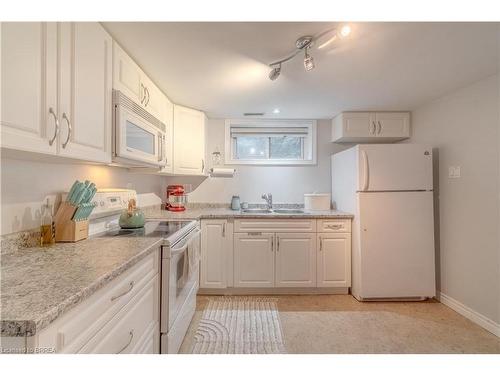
x=270 y=142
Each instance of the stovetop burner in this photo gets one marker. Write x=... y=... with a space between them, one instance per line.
x=151 y=229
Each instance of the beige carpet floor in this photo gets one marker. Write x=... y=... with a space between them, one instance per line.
x=340 y=324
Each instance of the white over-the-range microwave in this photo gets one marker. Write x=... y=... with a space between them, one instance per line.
x=138 y=136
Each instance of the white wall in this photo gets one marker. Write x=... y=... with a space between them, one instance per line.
x=287 y=183
x=25 y=184
x=464 y=128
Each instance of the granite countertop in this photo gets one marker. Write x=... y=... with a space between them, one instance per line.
x=39 y=284
x=197 y=213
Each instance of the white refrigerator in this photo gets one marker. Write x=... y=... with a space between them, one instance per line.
x=388 y=188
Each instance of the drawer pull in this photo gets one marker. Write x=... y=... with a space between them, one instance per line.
x=131 y=337
x=336 y=226
x=131 y=286
x=254 y=233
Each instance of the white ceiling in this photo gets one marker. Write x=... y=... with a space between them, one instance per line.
x=221 y=68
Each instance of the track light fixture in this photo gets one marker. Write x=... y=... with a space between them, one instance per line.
x=305 y=43
x=275 y=72
x=308 y=61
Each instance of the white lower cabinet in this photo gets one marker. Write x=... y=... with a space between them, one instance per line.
x=216 y=254
x=276 y=253
x=254 y=260
x=122 y=317
x=295 y=259
x=334 y=260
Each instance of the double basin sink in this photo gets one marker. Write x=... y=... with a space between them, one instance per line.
x=272 y=211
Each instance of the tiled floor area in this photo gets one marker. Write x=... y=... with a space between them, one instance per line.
x=340 y=324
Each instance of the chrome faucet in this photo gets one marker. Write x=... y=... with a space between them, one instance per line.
x=269 y=200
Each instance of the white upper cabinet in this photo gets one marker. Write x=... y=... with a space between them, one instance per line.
x=85 y=91
x=127 y=75
x=131 y=80
x=28 y=87
x=189 y=141
x=56 y=89
x=364 y=127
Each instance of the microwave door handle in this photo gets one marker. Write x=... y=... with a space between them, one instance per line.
x=160 y=157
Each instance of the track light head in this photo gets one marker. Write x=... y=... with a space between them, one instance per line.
x=275 y=73
x=308 y=61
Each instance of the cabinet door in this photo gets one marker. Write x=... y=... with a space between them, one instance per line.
x=189 y=141
x=127 y=75
x=358 y=124
x=334 y=260
x=28 y=86
x=85 y=91
x=393 y=124
x=216 y=254
x=295 y=259
x=254 y=260
x=154 y=100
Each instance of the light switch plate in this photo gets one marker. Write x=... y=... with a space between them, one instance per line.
x=454 y=172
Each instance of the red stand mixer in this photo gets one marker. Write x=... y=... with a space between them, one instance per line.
x=176 y=198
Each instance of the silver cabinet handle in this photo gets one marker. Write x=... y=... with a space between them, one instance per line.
x=272 y=243
x=379 y=127
x=56 y=121
x=320 y=244
x=202 y=165
x=147 y=92
x=143 y=93
x=69 y=129
x=131 y=337
x=224 y=230
x=254 y=233
x=336 y=226
x=277 y=243
x=373 y=128
x=131 y=286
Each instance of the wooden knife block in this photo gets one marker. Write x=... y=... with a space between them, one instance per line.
x=68 y=230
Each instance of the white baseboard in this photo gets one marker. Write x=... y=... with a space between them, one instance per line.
x=470 y=314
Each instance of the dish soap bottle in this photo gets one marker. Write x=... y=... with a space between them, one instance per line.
x=47 y=227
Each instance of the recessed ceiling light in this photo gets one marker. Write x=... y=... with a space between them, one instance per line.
x=345 y=31
x=276 y=111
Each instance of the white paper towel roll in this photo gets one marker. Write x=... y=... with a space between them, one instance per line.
x=222 y=172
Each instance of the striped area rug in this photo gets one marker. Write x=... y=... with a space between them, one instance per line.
x=239 y=325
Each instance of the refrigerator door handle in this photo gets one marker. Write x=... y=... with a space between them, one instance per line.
x=366 y=171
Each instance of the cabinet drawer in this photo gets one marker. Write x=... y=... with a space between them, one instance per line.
x=275 y=225
x=70 y=332
x=125 y=331
x=334 y=226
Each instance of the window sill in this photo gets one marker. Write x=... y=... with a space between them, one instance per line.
x=270 y=162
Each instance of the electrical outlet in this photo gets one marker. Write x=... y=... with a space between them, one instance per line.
x=454 y=172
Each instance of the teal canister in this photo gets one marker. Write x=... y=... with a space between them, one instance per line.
x=235 y=203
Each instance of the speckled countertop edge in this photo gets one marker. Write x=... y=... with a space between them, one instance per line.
x=24 y=327
x=196 y=213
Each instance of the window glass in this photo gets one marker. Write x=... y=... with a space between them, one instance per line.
x=252 y=148
x=286 y=148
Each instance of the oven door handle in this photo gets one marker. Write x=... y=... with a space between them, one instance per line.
x=183 y=248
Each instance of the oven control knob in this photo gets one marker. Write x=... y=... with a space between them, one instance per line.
x=102 y=203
